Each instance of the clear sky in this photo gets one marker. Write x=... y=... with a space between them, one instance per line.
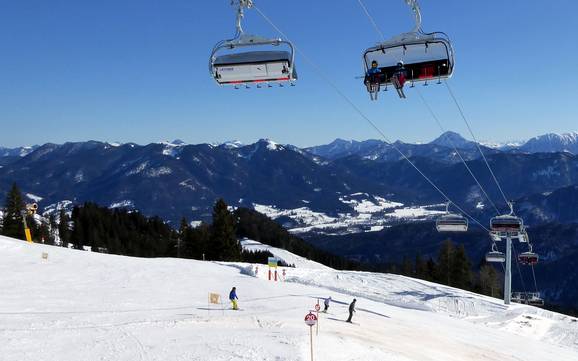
x=136 y=70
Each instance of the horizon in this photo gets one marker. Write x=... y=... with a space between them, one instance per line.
x=137 y=71
x=486 y=142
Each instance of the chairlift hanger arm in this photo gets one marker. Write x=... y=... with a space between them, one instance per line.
x=241 y=5
x=414 y=5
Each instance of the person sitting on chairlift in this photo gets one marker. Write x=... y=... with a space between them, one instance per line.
x=372 y=80
x=398 y=79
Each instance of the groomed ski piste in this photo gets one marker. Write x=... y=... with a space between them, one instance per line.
x=78 y=305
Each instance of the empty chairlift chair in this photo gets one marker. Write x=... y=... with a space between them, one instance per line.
x=249 y=59
x=528 y=258
x=495 y=256
x=534 y=299
x=254 y=66
x=518 y=297
x=451 y=222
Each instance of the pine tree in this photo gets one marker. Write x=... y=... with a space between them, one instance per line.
x=421 y=270
x=489 y=281
x=406 y=267
x=63 y=228
x=444 y=264
x=12 y=225
x=461 y=269
x=431 y=269
x=224 y=244
x=184 y=229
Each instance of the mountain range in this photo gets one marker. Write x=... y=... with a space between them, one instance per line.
x=174 y=179
x=358 y=199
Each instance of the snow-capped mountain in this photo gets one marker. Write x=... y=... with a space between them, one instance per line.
x=16 y=152
x=567 y=142
x=451 y=139
x=8 y=155
x=341 y=148
x=172 y=179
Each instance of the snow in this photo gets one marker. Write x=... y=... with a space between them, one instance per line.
x=285 y=256
x=232 y=144
x=368 y=214
x=56 y=207
x=88 y=306
x=122 y=204
x=271 y=145
x=157 y=172
x=413 y=213
x=375 y=205
x=34 y=197
x=302 y=215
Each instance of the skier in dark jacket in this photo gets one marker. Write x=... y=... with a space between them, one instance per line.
x=326 y=304
x=372 y=80
x=233 y=298
x=351 y=310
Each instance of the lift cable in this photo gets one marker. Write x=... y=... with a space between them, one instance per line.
x=376 y=27
x=371 y=19
x=429 y=108
x=475 y=140
x=362 y=115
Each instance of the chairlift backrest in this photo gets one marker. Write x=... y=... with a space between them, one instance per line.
x=506 y=223
x=423 y=59
x=249 y=59
x=452 y=223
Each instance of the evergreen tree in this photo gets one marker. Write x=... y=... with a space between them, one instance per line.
x=12 y=224
x=43 y=233
x=421 y=270
x=184 y=229
x=444 y=264
x=406 y=267
x=461 y=269
x=198 y=242
x=224 y=244
x=63 y=228
x=489 y=281
x=431 y=270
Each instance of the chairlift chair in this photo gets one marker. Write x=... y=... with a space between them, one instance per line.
x=528 y=259
x=534 y=299
x=451 y=222
x=517 y=297
x=507 y=223
x=249 y=59
x=425 y=56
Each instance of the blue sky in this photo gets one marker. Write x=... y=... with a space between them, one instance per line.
x=136 y=70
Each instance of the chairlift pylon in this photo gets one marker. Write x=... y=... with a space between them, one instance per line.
x=255 y=62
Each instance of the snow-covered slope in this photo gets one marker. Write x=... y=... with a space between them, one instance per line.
x=286 y=256
x=86 y=306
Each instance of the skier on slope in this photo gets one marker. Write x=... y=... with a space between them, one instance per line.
x=233 y=298
x=326 y=304
x=351 y=310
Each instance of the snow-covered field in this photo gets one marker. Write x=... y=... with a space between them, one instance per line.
x=368 y=213
x=78 y=305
